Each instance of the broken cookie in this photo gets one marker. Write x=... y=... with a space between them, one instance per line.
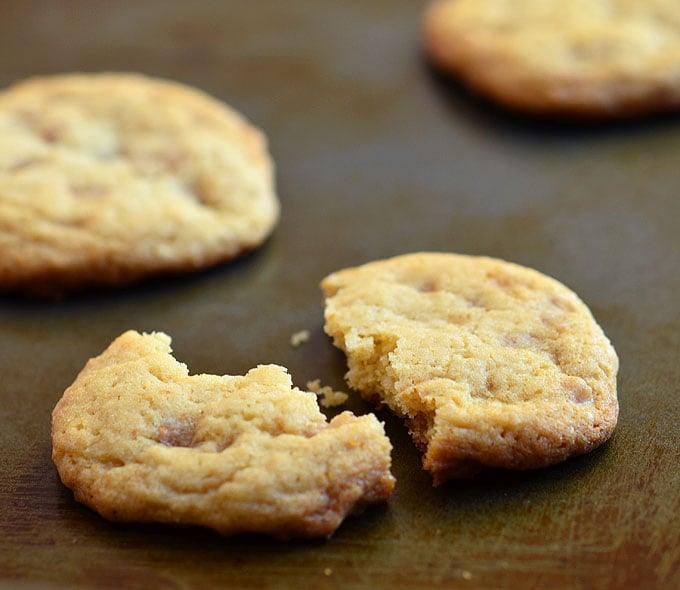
x=139 y=439
x=490 y=363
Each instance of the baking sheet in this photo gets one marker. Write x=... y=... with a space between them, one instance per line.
x=376 y=155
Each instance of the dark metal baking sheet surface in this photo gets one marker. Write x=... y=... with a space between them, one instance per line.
x=376 y=156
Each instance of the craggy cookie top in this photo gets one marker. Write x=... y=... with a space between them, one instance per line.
x=139 y=439
x=492 y=364
x=584 y=58
x=107 y=178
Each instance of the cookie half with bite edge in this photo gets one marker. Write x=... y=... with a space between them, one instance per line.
x=490 y=363
x=106 y=179
x=583 y=59
x=138 y=439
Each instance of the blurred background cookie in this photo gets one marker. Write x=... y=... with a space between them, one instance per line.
x=593 y=59
x=109 y=178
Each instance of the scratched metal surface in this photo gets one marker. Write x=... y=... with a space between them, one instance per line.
x=376 y=156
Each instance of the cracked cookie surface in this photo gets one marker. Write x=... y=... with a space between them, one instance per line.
x=490 y=363
x=583 y=58
x=109 y=178
x=139 y=439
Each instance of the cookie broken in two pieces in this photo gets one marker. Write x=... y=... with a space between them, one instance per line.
x=490 y=364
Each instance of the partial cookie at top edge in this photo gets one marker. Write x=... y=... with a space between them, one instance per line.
x=490 y=363
x=572 y=60
x=106 y=179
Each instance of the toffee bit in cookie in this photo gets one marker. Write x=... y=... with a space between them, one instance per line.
x=139 y=439
x=177 y=432
x=328 y=397
x=299 y=338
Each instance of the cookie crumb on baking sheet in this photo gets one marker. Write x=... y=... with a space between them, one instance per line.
x=328 y=397
x=299 y=338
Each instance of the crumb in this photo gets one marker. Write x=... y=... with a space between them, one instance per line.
x=327 y=572
x=299 y=338
x=466 y=575
x=329 y=397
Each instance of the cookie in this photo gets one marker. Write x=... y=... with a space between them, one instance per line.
x=139 y=439
x=106 y=179
x=590 y=59
x=490 y=363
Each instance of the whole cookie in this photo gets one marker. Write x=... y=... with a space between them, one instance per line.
x=583 y=58
x=490 y=363
x=139 y=439
x=109 y=178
